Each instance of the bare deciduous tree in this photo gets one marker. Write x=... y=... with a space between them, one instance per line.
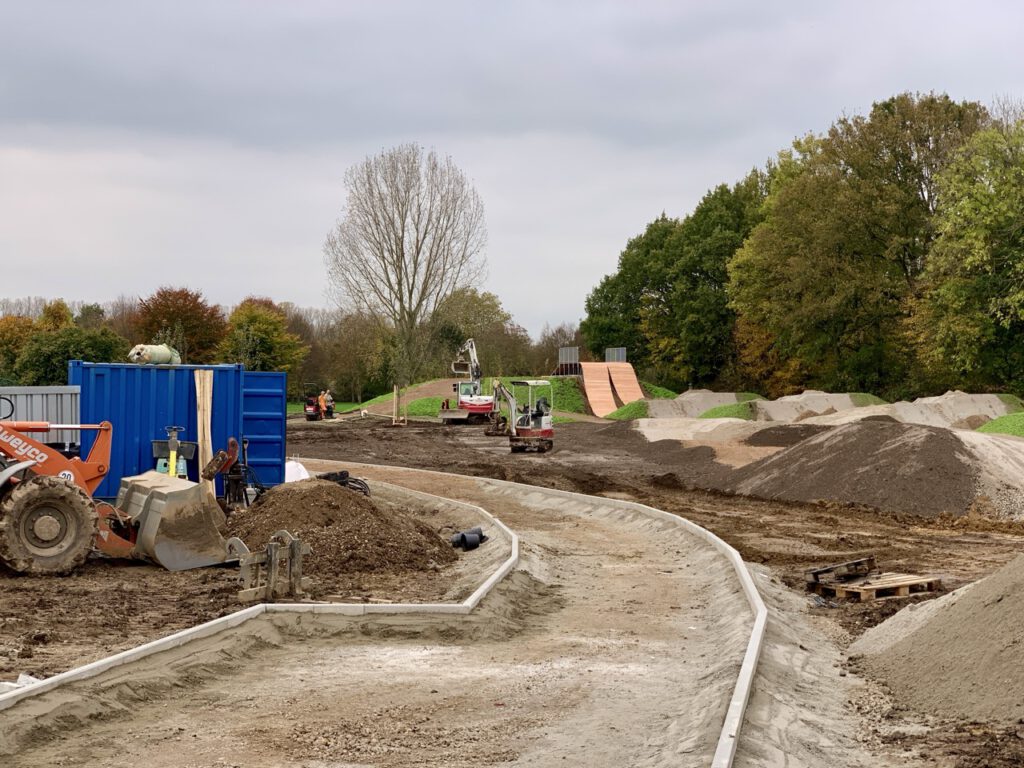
x=413 y=232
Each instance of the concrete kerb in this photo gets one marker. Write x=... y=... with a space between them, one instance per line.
x=238 y=618
x=728 y=739
x=208 y=629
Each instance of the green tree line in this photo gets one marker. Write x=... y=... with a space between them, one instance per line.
x=884 y=255
x=352 y=353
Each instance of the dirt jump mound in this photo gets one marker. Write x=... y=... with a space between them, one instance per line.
x=348 y=533
x=956 y=409
x=959 y=656
x=883 y=464
x=691 y=403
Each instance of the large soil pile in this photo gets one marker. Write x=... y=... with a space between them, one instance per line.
x=884 y=464
x=347 y=532
x=964 y=657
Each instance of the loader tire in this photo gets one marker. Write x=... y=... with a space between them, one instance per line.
x=47 y=526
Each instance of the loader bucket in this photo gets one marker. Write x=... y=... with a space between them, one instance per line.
x=178 y=521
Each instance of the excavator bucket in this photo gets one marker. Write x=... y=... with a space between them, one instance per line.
x=178 y=521
x=462 y=368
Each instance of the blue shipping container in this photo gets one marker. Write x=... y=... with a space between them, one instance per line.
x=141 y=400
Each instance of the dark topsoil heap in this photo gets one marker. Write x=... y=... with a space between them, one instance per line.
x=348 y=533
x=966 y=659
x=884 y=464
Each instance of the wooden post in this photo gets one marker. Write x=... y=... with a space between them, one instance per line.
x=204 y=408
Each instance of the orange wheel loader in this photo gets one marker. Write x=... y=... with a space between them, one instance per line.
x=49 y=521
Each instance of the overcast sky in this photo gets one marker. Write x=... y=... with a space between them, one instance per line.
x=204 y=143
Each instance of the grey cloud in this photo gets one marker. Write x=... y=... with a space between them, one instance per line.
x=214 y=135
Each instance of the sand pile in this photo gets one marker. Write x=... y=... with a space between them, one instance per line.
x=884 y=464
x=953 y=409
x=963 y=657
x=699 y=430
x=690 y=404
x=348 y=533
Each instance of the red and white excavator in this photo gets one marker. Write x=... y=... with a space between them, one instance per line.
x=471 y=405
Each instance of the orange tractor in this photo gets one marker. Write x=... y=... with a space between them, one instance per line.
x=49 y=521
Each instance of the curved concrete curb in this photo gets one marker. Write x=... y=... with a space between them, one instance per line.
x=230 y=621
x=728 y=738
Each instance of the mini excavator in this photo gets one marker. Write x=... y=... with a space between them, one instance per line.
x=529 y=428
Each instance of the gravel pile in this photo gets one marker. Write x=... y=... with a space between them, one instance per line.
x=884 y=464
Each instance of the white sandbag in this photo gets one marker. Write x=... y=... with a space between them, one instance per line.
x=154 y=354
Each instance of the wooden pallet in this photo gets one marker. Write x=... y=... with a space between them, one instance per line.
x=842 y=571
x=878 y=586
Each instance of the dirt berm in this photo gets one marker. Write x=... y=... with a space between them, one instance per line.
x=883 y=464
x=350 y=534
x=960 y=656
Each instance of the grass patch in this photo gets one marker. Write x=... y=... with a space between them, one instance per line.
x=744 y=410
x=656 y=392
x=743 y=397
x=424 y=406
x=565 y=390
x=634 y=410
x=863 y=399
x=1012 y=424
x=1014 y=403
x=563 y=420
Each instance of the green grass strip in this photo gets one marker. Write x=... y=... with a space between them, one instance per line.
x=656 y=392
x=630 y=411
x=424 y=406
x=864 y=399
x=1012 y=424
x=744 y=410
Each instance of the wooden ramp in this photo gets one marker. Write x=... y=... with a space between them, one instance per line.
x=598 y=388
x=627 y=388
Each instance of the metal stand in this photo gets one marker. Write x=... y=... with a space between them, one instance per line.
x=274 y=573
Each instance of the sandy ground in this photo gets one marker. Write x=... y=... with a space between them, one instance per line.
x=616 y=644
x=785 y=538
x=51 y=624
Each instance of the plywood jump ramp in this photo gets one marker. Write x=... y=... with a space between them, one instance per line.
x=606 y=385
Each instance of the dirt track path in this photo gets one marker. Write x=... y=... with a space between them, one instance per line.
x=617 y=643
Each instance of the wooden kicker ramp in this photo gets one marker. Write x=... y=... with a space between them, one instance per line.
x=599 y=379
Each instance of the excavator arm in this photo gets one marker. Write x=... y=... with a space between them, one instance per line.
x=505 y=395
x=471 y=367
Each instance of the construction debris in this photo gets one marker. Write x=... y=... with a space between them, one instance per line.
x=841 y=571
x=469 y=539
x=274 y=573
x=878 y=586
